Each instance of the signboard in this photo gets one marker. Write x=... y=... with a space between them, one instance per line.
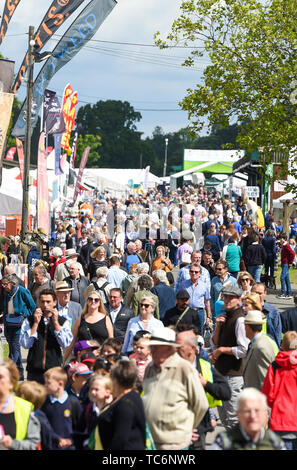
x=252 y=192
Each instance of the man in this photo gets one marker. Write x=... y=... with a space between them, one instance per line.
x=208 y=263
x=130 y=256
x=272 y=324
x=289 y=318
x=199 y=294
x=260 y=352
x=62 y=270
x=102 y=285
x=18 y=301
x=119 y=313
x=44 y=334
x=287 y=258
x=172 y=412
x=182 y=313
x=215 y=385
x=164 y=292
x=251 y=432
x=66 y=307
x=85 y=252
x=115 y=273
x=184 y=273
x=230 y=344
x=78 y=283
x=41 y=282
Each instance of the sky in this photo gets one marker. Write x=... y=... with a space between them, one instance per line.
x=151 y=80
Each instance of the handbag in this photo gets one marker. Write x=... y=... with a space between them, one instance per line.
x=14 y=321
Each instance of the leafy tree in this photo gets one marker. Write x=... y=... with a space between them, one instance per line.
x=92 y=141
x=251 y=49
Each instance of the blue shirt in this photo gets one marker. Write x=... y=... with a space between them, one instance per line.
x=198 y=294
x=133 y=326
x=116 y=275
x=184 y=274
x=63 y=337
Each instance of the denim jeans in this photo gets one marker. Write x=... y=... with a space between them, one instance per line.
x=291 y=444
x=13 y=340
x=255 y=271
x=285 y=280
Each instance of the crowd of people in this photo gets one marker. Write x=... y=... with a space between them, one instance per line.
x=145 y=321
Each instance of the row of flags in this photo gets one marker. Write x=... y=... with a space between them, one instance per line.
x=58 y=118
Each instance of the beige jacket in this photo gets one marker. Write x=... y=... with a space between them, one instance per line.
x=174 y=401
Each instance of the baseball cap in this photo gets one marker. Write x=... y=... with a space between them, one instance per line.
x=78 y=368
x=84 y=344
x=88 y=357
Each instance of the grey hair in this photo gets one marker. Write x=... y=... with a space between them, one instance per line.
x=143 y=268
x=102 y=271
x=11 y=278
x=151 y=300
x=41 y=270
x=251 y=393
x=160 y=275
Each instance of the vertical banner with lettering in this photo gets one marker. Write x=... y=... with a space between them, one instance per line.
x=42 y=187
x=9 y=9
x=21 y=157
x=80 y=173
x=75 y=38
x=70 y=121
x=57 y=14
x=52 y=117
x=58 y=169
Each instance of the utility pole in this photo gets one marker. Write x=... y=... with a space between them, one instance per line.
x=165 y=161
x=25 y=204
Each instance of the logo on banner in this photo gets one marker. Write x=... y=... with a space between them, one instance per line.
x=9 y=10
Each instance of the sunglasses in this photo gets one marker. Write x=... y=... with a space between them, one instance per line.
x=93 y=299
x=146 y=305
x=246 y=279
x=195 y=272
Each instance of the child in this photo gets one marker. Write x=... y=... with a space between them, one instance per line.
x=77 y=386
x=142 y=355
x=89 y=360
x=102 y=366
x=111 y=346
x=100 y=395
x=64 y=413
x=36 y=393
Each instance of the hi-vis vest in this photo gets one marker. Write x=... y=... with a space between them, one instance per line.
x=22 y=410
x=264 y=331
x=207 y=375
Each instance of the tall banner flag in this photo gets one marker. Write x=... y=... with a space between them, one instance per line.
x=43 y=209
x=58 y=169
x=10 y=154
x=73 y=150
x=57 y=14
x=52 y=117
x=78 y=34
x=69 y=119
x=21 y=157
x=80 y=173
x=6 y=102
x=9 y=9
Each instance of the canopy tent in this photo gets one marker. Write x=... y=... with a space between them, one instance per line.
x=119 y=179
x=11 y=192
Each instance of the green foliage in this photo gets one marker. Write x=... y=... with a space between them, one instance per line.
x=92 y=141
x=251 y=49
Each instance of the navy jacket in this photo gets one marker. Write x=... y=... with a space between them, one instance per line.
x=270 y=246
x=166 y=296
x=274 y=324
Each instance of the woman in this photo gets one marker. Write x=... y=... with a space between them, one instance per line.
x=232 y=254
x=214 y=239
x=71 y=240
x=269 y=244
x=121 y=425
x=60 y=237
x=250 y=302
x=144 y=321
x=94 y=323
x=144 y=285
x=245 y=281
x=97 y=260
x=161 y=261
x=55 y=259
x=21 y=426
x=280 y=388
x=255 y=257
x=223 y=236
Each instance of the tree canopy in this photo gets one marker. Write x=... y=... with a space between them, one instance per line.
x=251 y=49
